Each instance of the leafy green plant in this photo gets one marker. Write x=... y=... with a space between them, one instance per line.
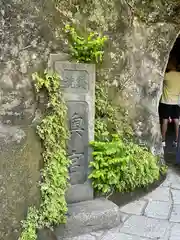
x=109 y=118
x=54 y=134
x=30 y=225
x=122 y=167
x=86 y=49
x=163 y=169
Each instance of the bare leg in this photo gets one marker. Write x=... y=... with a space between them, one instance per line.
x=176 y=122
x=164 y=129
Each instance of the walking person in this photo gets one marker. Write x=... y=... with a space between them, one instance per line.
x=169 y=104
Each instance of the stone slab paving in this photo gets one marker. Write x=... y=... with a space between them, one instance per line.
x=160 y=194
x=158 y=209
x=175 y=232
x=145 y=227
x=136 y=208
x=154 y=216
x=175 y=215
x=176 y=196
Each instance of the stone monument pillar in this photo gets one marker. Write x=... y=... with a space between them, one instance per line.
x=78 y=85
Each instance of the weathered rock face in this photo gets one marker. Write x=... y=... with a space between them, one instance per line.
x=22 y=50
x=135 y=60
x=150 y=47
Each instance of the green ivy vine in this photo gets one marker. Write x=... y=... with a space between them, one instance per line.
x=86 y=49
x=110 y=118
x=54 y=135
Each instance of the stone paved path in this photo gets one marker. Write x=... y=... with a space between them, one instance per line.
x=155 y=216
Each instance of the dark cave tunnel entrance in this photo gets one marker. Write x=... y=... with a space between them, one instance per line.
x=170 y=151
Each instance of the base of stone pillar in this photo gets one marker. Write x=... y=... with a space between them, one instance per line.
x=85 y=217
x=79 y=192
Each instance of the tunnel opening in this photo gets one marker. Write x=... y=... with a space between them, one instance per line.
x=170 y=150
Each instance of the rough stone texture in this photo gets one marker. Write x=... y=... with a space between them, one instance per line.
x=135 y=208
x=46 y=234
x=135 y=60
x=19 y=175
x=172 y=180
x=20 y=154
x=175 y=215
x=23 y=48
x=175 y=232
x=157 y=209
x=159 y=194
x=176 y=196
x=82 y=237
x=121 y=236
x=124 y=217
x=97 y=234
x=145 y=227
x=89 y=216
x=78 y=84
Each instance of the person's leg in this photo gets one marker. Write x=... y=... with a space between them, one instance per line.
x=164 y=130
x=176 y=123
x=164 y=110
x=175 y=117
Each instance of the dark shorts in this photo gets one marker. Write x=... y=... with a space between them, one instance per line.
x=167 y=110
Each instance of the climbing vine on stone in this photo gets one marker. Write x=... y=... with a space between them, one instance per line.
x=110 y=118
x=54 y=134
x=30 y=225
x=86 y=49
